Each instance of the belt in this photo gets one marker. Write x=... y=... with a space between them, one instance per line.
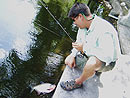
x=85 y=55
x=113 y=63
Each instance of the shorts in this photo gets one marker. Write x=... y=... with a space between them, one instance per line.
x=81 y=60
x=105 y=68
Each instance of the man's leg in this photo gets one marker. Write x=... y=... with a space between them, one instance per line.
x=91 y=66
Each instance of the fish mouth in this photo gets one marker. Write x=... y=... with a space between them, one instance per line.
x=52 y=87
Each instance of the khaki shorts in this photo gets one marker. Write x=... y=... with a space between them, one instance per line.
x=81 y=60
x=105 y=68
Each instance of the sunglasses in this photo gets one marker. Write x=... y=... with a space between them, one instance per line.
x=73 y=19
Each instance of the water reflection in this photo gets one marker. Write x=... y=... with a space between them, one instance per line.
x=15 y=19
x=29 y=54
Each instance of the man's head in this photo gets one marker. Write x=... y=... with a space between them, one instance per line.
x=79 y=8
x=81 y=15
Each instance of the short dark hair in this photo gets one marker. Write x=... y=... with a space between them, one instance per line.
x=78 y=8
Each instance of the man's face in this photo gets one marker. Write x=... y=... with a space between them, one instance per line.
x=78 y=21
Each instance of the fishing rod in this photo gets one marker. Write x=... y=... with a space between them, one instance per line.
x=46 y=7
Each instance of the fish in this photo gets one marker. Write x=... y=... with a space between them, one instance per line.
x=38 y=90
x=43 y=88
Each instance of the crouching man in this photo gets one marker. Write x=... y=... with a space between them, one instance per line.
x=97 y=39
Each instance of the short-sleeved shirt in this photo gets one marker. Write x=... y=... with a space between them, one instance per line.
x=100 y=40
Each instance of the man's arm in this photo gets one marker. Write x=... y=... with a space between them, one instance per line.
x=70 y=60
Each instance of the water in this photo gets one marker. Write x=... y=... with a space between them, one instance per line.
x=30 y=53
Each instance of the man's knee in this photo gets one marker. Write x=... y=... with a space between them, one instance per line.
x=67 y=59
x=94 y=62
x=66 y=62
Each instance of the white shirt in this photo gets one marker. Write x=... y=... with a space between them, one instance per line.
x=100 y=40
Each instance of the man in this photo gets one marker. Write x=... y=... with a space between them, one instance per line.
x=97 y=39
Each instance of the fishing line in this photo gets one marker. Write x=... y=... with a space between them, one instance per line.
x=46 y=28
x=46 y=7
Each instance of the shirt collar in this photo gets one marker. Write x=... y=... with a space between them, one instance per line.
x=93 y=24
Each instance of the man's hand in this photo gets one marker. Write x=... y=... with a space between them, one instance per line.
x=78 y=46
x=70 y=61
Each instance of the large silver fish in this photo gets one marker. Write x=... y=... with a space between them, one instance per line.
x=44 y=88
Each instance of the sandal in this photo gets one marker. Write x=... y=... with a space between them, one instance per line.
x=70 y=85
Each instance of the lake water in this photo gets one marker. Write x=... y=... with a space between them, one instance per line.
x=32 y=47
